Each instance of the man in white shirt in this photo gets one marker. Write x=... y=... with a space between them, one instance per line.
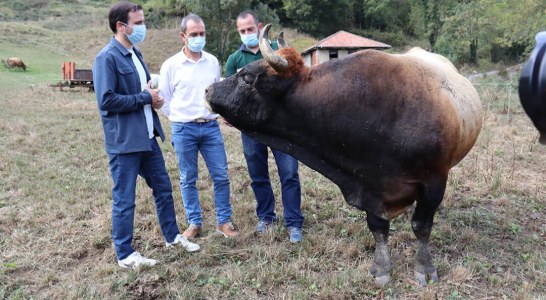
x=182 y=83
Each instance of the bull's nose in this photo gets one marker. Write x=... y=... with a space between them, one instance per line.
x=208 y=94
x=209 y=89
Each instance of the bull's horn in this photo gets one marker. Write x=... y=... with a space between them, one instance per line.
x=281 y=41
x=277 y=62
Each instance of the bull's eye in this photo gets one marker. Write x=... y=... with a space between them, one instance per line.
x=249 y=79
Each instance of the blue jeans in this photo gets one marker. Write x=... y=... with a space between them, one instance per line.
x=189 y=139
x=124 y=169
x=256 y=160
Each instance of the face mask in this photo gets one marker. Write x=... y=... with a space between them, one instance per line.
x=250 y=40
x=196 y=44
x=138 y=35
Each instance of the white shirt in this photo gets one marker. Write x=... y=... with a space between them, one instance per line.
x=182 y=84
x=147 y=107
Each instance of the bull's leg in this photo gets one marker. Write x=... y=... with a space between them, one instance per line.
x=422 y=220
x=382 y=261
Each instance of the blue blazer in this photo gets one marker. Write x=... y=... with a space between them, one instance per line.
x=121 y=100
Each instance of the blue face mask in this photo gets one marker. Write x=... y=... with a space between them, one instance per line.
x=250 y=40
x=138 y=35
x=196 y=44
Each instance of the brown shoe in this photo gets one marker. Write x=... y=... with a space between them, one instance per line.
x=192 y=232
x=227 y=230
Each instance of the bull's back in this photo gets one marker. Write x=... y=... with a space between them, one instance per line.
x=461 y=94
x=414 y=109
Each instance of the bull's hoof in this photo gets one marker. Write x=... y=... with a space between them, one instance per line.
x=422 y=278
x=382 y=277
x=382 y=280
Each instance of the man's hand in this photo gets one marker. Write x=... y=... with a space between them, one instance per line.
x=157 y=100
x=157 y=103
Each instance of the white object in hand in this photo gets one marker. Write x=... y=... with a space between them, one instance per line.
x=155 y=81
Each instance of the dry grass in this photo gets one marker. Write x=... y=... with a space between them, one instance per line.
x=488 y=241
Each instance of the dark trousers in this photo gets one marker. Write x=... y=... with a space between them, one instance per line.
x=256 y=158
x=124 y=169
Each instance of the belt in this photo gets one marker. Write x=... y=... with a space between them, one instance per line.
x=202 y=120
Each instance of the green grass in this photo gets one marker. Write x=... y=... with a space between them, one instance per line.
x=42 y=67
x=488 y=240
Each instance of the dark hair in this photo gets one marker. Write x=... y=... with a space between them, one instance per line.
x=245 y=13
x=120 y=12
x=193 y=17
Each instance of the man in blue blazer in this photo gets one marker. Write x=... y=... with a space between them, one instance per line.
x=127 y=104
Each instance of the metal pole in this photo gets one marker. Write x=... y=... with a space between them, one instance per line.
x=509 y=119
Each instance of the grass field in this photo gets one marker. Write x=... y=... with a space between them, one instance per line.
x=488 y=241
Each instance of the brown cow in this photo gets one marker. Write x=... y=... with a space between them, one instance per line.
x=13 y=62
x=385 y=128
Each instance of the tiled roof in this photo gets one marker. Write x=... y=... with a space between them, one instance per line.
x=346 y=40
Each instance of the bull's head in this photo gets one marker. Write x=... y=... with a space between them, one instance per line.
x=249 y=99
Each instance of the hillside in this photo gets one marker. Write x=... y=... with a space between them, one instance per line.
x=76 y=32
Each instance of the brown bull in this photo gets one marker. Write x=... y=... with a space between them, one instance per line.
x=16 y=62
x=385 y=128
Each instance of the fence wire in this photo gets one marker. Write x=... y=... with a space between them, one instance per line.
x=499 y=95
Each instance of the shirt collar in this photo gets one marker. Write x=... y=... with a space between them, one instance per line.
x=120 y=47
x=244 y=48
x=185 y=58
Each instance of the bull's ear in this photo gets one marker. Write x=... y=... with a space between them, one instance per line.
x=280 y=41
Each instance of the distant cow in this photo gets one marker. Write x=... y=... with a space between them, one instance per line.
x=15 y=62
x=385 y=128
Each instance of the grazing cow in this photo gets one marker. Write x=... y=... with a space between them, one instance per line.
x=532 y=86
x=16 y=62
x=385 y=128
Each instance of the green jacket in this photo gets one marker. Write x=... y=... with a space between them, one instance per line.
x=243 y=57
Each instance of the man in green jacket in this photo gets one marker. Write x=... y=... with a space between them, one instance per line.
x=256 y=153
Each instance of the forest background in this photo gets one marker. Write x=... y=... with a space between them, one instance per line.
x=477 y=32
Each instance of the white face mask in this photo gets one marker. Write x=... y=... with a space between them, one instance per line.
x=196 y=44
x=138 y=35
x=250 y=40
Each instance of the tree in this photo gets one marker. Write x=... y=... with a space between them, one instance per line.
x=491 y=25
x=219 y=17
x=320 y=17
x=388 y=15
x=437 y=11
x=517 y=22
x=160 y=13
x=466 y=27
x=417 y=18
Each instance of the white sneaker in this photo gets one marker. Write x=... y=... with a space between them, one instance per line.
x=136 y=260
x=187 y=245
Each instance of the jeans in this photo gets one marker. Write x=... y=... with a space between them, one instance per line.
x=189 y=139
x=256 y=159
x=124 y=169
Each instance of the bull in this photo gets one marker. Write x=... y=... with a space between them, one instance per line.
x=386 y=128
x=15 y=62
